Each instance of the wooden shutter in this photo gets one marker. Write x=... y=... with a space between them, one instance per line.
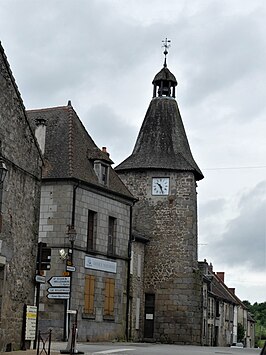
x=109 y=298
x=89 y=294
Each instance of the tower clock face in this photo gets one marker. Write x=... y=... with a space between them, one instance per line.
x=160 y=186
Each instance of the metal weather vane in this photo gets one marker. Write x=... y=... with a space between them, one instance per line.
x=166 y=45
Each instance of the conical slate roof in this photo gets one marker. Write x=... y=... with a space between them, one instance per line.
x=162 y=142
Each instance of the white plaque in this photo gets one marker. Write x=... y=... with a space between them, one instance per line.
x=100 y=264
x=149 y=316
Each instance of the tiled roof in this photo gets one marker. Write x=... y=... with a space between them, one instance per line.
x=220 y=290
x=162 y=142
x=70 y=151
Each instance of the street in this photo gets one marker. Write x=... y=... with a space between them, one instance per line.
x=152 y=349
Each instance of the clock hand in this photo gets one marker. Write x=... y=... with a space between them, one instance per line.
x=160 y=186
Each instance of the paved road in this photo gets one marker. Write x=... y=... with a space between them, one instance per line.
x=152 y=349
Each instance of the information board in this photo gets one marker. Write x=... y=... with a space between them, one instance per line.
x=31 y=317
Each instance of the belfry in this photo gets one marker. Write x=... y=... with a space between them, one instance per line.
x=162 y=174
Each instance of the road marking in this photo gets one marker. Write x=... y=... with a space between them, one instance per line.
x=112 y=351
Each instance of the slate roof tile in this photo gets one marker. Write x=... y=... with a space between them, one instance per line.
x=162 y=142
x=70 y=151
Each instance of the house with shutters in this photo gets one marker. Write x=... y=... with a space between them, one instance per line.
x=223 y=312
x=85 y=216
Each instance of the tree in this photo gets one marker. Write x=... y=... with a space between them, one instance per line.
x=240 y=332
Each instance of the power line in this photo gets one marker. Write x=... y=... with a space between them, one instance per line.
x=237 y=167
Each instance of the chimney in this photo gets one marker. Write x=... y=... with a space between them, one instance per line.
x=211 y=267
x=232 y=290
x=104 y=150
x=220 y=275
x=40 y=132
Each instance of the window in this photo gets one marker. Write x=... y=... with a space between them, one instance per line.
x=137 y=312
x=139 y=266
x=217 y=308
x=109 y=297
x=2 y=279
x=91 y=231
x=111 y=236
x=89 y=294
x=102 y=172
x=131 y=262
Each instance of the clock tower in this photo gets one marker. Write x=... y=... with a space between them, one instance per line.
x=162 y=174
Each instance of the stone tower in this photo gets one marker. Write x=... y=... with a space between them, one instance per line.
x=162 y=174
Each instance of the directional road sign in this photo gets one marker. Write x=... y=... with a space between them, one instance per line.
x=58 y=296
x=58 y=290
x=59 y=281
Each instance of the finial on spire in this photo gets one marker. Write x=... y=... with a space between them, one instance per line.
x=166 y=45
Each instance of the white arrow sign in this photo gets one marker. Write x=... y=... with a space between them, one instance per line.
x=58 y=296
x=59 y=281
x=58 y=289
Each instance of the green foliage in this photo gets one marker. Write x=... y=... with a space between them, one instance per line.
x=258 y=311
x=240 y=332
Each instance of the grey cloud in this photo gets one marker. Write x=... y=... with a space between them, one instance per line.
x=211 y=208
x=244 y=241
x=111 y=131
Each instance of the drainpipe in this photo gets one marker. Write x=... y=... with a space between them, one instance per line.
x=128 y=329
x=68 y=302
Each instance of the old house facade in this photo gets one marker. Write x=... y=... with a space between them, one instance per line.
x=162 y=174
x=19 y=210
x=223 y=312
x=81 y=193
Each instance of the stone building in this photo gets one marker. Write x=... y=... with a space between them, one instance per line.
x=19 y=210
x=162 y=174
x=82 y=196
x=223 y=312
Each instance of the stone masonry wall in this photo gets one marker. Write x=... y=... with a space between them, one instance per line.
x=170 y=222
x=136 y=290
x=20 y=211
x=56 y=211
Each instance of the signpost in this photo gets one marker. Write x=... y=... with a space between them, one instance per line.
x=58 y=296
x=58 y=290
x=59 y=281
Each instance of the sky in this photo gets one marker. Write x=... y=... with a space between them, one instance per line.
x=103 y=55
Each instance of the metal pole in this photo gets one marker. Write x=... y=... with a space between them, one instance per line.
x=38 y=287
x=49 y=343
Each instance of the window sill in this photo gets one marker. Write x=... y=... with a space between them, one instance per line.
x=88 y=316
x=109 y=318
